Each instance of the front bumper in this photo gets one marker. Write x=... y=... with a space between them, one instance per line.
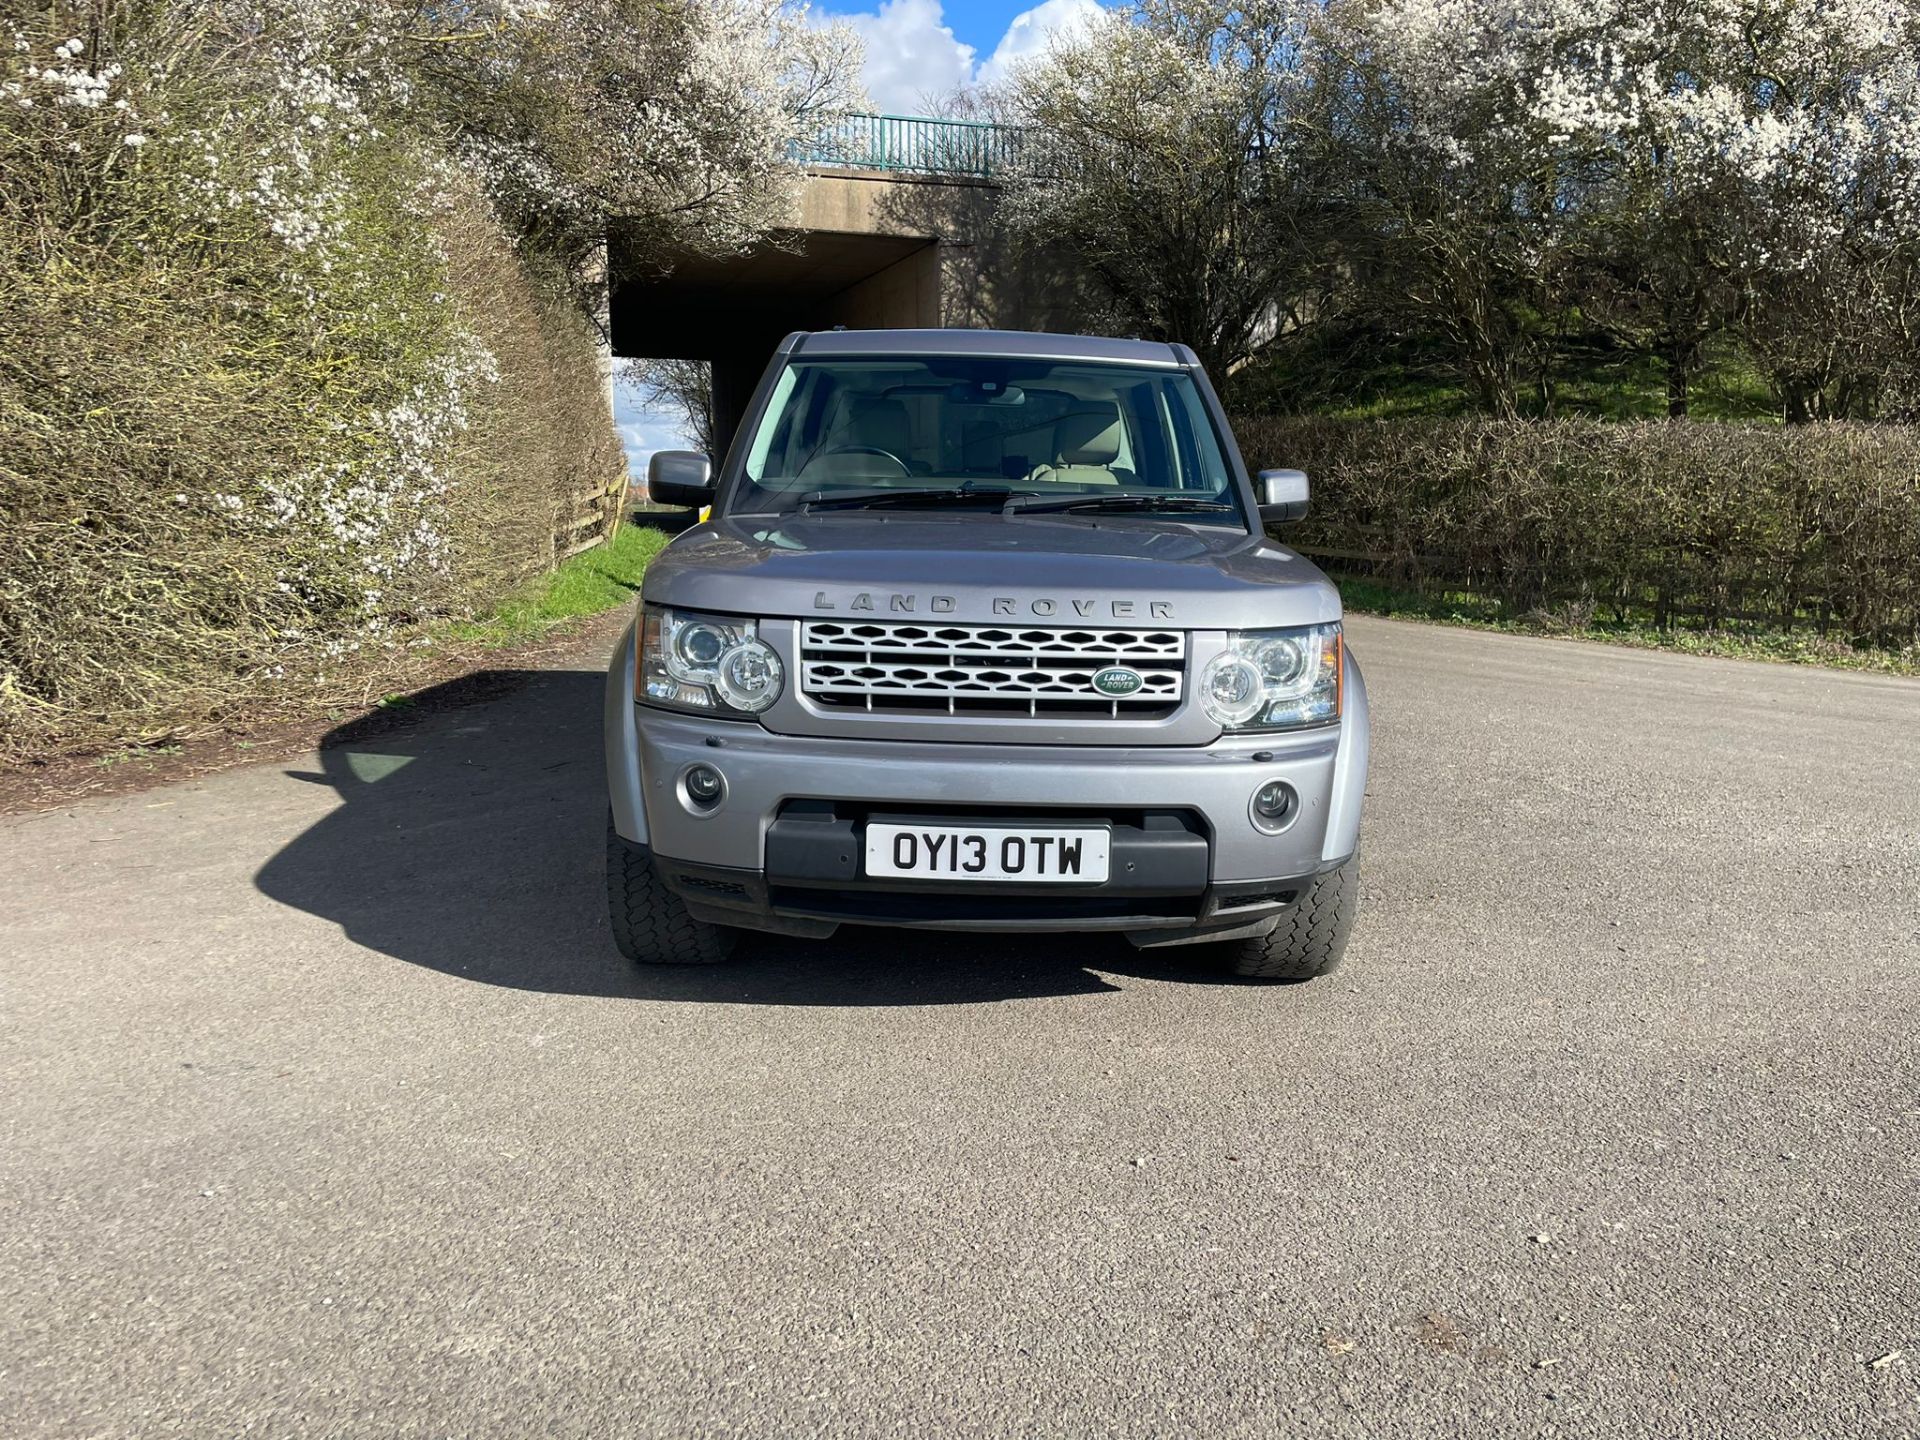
x=755 y=864
x=786 y=899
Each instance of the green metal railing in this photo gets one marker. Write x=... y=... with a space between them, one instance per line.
x=913 y=144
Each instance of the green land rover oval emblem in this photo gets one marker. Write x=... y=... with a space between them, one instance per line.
x=1118 y=680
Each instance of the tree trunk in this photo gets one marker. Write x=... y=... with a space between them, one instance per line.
x=1493 y=380
x=1679 y=376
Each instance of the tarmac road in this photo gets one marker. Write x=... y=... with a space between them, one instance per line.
x=331 y=1111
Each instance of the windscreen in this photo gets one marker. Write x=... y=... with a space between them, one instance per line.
x=934 y=431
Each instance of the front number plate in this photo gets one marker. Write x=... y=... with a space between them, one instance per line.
x=988 y=852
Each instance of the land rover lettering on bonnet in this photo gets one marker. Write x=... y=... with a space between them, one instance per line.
x=985 y=631
x=1045 y=606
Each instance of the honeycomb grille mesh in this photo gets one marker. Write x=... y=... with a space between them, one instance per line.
x=988 y=669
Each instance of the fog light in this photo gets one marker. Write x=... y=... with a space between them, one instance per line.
x=1274 y=805
x=704 y=786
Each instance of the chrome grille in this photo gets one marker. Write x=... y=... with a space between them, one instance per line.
x=988 y=669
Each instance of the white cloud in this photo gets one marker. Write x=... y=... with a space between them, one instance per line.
x=914 y=62
x=1033 y=32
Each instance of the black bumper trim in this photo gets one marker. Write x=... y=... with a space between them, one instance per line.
x=749 y=900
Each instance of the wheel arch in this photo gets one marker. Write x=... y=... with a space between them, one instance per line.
x=622 y=742
x=1349 y=771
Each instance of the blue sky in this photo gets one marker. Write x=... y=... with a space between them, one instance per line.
x=979 y=23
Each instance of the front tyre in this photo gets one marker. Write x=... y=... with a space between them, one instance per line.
x=1310 y=937
x=651 y=925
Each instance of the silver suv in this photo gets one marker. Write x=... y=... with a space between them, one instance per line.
x=984 y=632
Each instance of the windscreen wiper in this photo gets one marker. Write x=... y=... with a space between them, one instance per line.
x=1183 y=504
x=969 y=494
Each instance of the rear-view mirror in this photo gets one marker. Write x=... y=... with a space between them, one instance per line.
x=985 y=392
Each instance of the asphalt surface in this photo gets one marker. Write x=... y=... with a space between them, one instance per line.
x=331 y=1111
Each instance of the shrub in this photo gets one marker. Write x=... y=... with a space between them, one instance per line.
x=1707 y=524
x=539 y=435
x=273 y=387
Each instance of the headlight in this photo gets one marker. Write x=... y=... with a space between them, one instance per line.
x=715 y=664
x=1275 y=679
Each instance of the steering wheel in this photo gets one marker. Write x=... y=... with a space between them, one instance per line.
x=864 y=450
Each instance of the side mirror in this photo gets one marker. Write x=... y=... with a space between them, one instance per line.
x=1283 y=496
x=680 y=477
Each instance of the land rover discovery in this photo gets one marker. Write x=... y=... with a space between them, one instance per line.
x=984 y=631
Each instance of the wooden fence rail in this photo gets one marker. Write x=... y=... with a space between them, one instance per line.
x=589 y=518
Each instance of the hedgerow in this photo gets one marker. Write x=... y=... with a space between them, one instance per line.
x=279 y=387
x=234 y=376
x=1814 y=526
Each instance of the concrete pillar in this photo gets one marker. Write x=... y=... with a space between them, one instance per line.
x=905 y=295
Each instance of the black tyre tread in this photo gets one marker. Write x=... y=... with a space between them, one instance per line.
x=651 y=925
x=1311 y=937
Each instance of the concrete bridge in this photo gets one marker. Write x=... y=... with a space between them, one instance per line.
x=896 y=229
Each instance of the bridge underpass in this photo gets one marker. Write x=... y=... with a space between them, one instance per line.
x=896 y=230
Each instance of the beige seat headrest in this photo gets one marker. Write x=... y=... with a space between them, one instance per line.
x=1088 y=437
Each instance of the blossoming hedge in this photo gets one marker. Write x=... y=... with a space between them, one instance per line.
x=294 y=349
x=238 y=384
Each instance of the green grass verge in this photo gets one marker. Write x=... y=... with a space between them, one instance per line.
x=1369 y=597
x=588 y=584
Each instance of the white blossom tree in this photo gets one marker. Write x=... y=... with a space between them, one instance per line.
x=1459 y=178
x=1161 y=153
x=1817 y=122
x=679 y=120
x=1663 y=170
x=1500 y=178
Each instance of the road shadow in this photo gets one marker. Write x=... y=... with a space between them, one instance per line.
x=470 y=840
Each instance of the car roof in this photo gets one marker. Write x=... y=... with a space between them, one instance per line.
x=996 y=344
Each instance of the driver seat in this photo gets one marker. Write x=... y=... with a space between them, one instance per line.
x=1085 y=445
